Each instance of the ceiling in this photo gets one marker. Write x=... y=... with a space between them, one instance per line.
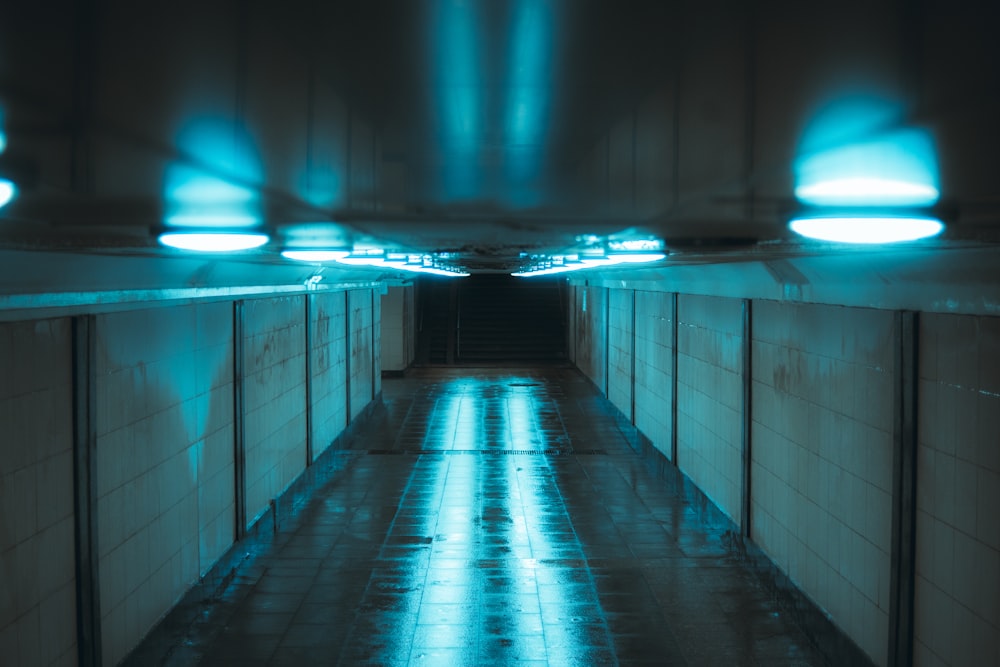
x=485 y=133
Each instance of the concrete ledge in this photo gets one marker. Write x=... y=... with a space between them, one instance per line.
x=165 y=642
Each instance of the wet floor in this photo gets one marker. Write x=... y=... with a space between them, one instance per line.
x=494 y=517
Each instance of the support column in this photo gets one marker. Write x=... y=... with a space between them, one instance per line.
x=904 y=490
x=88 y=602
x=747 y=425
x=239 y=441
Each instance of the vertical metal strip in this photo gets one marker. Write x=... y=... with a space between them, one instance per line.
x=607 y=340
x=372 y=291
x=673 y=375
x=747 y=426
x=239 y=439
x=309 y=377
x=87 y=570
x=347 y=354
x=904 y=486
x=632 y=415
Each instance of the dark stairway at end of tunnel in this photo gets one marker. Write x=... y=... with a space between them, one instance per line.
x=491 y=319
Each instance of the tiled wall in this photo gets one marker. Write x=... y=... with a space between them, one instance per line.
x=709 y=397
x=957 y=615
x=329 y=369
x=361 y=358
x=164 y=460
x=620 y=350
x=397 y=344
x=822 y=456
x=591 y=343
x=37 y=581
x=165 y=452
x=653 y=367
x=274 y=396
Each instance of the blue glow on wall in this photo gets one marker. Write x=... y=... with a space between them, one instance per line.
x=457 y=82
x=215 y=188
x=856 y=152
x=529 y=85
x=3 y=132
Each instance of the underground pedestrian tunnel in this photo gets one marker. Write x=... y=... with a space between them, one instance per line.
x=466 y=333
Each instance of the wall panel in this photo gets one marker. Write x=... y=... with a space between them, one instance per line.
x=274 y=398
x=329 y=369
x=822 y=458
x=653 y=367
x=957 y=596
x=709 y=397
x=164 y=460
x=620 y=350
x=37 y=580
x=361 y=360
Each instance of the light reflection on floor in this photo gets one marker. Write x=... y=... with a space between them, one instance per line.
x=495 y=518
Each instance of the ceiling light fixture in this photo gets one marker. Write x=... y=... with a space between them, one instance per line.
x=214 y=241
x=314 y=255
x=867 y=229
x=7 y=191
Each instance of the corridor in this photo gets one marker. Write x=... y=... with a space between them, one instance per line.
x=490 y=517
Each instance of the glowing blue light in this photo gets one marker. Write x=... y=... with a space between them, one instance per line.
x=314 y=255
x=856 y=153
x=867 y=191
x=457 y=81
x=3 y=133
x=867 y=230
x=529 y=89
x=213 y=241
x=200 y=200
x=213 y=189
x=7 y=191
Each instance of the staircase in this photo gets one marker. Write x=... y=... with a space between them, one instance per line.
x=493 y=319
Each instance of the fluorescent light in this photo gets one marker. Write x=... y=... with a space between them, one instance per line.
x=635 y=245
x=213 y=241
x=634 y=257
x=314 y=255
x=870 y=230
x=7 y=191
x=867 y=191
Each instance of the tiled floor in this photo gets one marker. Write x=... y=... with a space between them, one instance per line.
x=494 y=517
